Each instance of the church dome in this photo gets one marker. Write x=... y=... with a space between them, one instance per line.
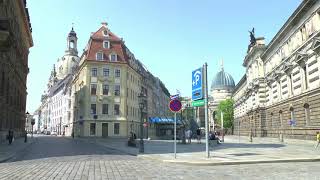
x=222 y=80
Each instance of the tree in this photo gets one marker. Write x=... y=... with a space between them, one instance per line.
x=226 y=107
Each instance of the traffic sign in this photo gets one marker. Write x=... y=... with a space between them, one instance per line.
x=197 y=103
x=176 y=96
x=175 y=105
x=292 y=122
x=197 y=84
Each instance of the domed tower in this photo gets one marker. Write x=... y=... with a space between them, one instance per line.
x=221 y=87
x=72 y=43
x=68 y=63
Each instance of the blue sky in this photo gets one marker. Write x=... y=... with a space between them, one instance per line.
x=171 y=37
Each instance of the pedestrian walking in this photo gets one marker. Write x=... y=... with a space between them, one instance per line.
x=25 y=137
x=318 y=139
x=189 y=132
x=199 y=136
x=10 y=136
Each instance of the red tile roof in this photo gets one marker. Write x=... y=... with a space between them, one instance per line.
x=116 y=45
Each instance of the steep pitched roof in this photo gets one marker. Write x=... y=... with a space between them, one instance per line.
x=95 y=45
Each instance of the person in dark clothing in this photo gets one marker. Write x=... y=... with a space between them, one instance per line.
x=199 y=136
x=10 y=136
x=25 y=137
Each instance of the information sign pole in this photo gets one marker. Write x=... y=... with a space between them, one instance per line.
x=206 y=108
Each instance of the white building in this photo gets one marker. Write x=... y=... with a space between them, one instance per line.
x=280 y=93
x=56 y=102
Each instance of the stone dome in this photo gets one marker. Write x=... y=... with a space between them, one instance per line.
x=222 y=80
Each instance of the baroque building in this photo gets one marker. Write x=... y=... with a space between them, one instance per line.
x=279 y=95
x=15 y=41
x=55 y=109
x=106 y=86
x=222 y=87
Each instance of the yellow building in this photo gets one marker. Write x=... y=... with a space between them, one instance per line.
x=106 y=88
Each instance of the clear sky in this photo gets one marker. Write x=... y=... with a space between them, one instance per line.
x=171 y=37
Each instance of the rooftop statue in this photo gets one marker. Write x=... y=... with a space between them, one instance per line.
x=252 y=39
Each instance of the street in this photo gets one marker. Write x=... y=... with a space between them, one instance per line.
x=52 y=157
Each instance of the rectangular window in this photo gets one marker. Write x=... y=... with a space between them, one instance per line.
x=116 y=128
x=117 y=73
x=93 y=89
x=117 y=109
x=99 y=56
x=117 y=90
x=93 y=109
x=105 y=44
x=104 y=108
x=92 y=129
x=113 y=57
x=105 y=89
x=106 y=72
x=94 y=72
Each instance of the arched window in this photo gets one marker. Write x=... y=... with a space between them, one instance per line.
x=280 y=118
x=71 y=44
x=307 y=113
x=105 y=33
x=292 y=116
x=271 y=120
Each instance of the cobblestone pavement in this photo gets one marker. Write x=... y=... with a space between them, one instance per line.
x=62 y=158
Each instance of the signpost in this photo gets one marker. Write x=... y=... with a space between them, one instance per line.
x=197 y=91
x=200 y=96
x=175 y=106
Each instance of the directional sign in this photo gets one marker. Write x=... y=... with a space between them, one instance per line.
x=175 y=105
x=197 y=84
x=198 y=103
x=176 y=96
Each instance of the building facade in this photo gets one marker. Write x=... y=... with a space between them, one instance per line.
x=55 y=108
x=280 y=93
x=106 y=88
x=15 y=41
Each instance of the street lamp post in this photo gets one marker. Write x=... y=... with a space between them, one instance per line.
x=141 y=98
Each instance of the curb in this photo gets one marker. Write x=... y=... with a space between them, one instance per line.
x=13 y=155
x=204 y=163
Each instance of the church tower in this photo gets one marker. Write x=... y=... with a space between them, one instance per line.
x=72 y=43
x=70 y=60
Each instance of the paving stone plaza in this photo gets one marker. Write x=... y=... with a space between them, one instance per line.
x=79 y=159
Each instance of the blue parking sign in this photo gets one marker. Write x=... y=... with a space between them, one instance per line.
x=197 y=84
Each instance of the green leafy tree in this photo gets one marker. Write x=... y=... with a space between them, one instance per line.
x=226 y=107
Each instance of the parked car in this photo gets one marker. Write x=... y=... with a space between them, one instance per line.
x=54 y=133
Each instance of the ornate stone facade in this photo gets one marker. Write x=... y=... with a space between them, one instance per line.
x=15 y=41
x=279 y=95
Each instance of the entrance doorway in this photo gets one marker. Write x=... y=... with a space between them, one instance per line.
x=104 y=130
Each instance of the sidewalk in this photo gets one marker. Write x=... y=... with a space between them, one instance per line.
x=261 y=150
x=9 y=151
